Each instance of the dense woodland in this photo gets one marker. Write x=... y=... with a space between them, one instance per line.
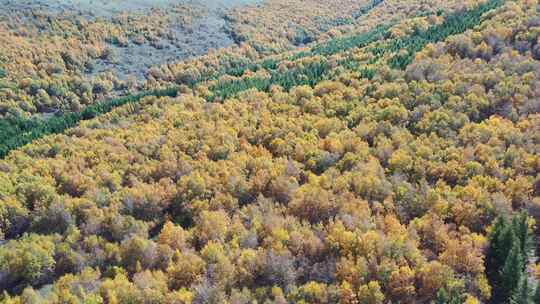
x=39 y=74
x=394 y=159
x=49 y=60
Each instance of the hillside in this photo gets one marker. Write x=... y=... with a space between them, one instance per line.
x=362 y=152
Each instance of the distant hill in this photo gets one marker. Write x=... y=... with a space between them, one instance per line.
x=363 y=152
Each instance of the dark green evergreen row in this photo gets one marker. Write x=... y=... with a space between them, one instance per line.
x=308 y=75
x=508 y=254
x=453 y=24
x=326 y=48
x=16 y=132
x=339 y=45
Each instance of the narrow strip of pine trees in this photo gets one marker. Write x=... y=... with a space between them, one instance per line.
x=404 y=49
x=455 y=23
x=17 y=132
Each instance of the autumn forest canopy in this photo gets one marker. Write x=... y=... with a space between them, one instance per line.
x=271 y=151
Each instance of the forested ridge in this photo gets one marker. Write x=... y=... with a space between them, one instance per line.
x=58 y=57
x=395 y=160
x=20 y=131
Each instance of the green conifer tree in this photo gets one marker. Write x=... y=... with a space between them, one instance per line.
x=523 y=293
x=492 y=261
x=521 y=229
x=506 y=241
x=511 y=273
x=536 y=297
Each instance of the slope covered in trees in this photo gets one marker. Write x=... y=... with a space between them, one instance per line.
x=116 y=53
x=415 y=182
x=113 y=48
x=20 y=131
x=63 y=59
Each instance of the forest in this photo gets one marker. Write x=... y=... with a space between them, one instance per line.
x=367 y=152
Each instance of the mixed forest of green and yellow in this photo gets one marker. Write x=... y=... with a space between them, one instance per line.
x=358 y=152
